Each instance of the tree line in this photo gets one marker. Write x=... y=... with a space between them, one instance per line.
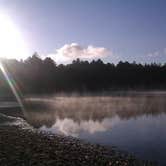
x=37 y=76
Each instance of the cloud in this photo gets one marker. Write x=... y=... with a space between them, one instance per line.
x=154 y=54
x=72 y=51
x=157 y=53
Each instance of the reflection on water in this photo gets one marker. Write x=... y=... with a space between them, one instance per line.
x=47 y=111
x=70 y=127
x=132 y=122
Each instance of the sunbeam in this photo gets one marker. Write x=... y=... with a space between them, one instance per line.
x=12 y=85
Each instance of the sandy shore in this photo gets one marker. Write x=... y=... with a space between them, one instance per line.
x=20 y=147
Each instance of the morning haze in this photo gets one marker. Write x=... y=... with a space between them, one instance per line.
x=82 y=82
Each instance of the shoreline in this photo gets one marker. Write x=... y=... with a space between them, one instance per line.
x=26 y=147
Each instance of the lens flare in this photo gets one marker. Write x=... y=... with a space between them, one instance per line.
x=12 y=84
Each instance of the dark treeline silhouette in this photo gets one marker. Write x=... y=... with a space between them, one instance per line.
x=38 y=76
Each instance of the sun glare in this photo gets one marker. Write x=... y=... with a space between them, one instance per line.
x=12 y=44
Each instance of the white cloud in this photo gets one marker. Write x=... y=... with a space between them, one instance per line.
x=157 y=53
x=154 y=54
x=72 y=51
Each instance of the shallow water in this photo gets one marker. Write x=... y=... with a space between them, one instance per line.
x=133 y=122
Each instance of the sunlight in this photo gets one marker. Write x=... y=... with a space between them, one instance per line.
x=12 y=85
x=12 y=44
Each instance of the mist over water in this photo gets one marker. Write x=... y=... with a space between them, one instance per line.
x=133 y=122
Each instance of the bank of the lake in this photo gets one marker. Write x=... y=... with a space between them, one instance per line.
x=23 y=147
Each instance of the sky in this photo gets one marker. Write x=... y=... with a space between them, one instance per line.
x=113 y=30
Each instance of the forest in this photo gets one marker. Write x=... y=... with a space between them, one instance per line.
x=43 y=76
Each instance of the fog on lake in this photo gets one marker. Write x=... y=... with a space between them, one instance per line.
x=133 y=122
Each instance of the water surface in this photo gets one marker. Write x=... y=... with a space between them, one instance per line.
x=133 y=122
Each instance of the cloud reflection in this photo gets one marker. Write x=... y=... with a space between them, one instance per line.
x=68 y=126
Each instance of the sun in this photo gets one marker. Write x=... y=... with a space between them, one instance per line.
x=12 y=44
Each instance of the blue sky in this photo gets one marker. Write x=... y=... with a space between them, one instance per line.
x=132 y=30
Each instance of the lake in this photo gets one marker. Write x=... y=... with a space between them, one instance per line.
x=134 y=122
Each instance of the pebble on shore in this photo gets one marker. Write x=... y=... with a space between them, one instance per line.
x=28 y=148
